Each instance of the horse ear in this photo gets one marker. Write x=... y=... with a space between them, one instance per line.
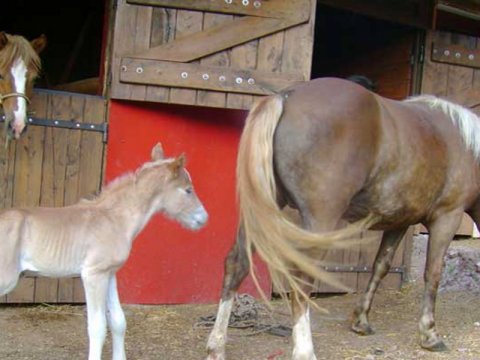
x=3 y=39
x=157 y=152
x=39 y=43
x=178 y=164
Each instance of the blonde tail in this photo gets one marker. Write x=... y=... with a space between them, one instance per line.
x=286 y=248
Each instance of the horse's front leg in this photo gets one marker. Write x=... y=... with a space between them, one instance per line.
x=441 y=230
x=96 y=287
x=236 y=269
x=383 y=260
x=116 y=320
x=302 y=334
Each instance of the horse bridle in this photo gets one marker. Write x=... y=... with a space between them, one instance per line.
x=13 y=94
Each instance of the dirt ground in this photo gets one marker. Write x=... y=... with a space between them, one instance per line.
x=44 y=332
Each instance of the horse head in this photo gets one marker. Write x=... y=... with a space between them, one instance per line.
x=170 y=186
x=19 y=66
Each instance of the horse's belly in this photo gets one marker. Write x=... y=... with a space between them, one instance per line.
x=48 y=269
x=395 y=209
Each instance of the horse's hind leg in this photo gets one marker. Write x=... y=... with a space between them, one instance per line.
x=441 y=231
x=9 y=271
x=116 y=320
x=236 y=269
x=386 y=251
x=8 y=280
x=96 y=288
x=302 y=333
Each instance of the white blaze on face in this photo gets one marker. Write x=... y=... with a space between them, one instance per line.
x=19 y=74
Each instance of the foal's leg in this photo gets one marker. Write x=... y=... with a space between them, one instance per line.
x=8 y=279
x=116 y=320
x=96 y=287
x=302 y=333
x=386 y=251
x=236 y=269
x=441 y=231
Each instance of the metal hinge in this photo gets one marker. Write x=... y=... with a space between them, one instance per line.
x=362 y=269
x=68 y=124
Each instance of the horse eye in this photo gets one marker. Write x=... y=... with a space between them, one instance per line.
x=189 y=190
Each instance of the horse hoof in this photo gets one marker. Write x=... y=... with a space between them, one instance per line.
x=437 y=346
x=363 y=329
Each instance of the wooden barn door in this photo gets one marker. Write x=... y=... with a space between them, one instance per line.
x=452 y=71
x=210 y=53
x=55 y=163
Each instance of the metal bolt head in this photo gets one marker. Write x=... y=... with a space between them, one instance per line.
x=205 y=76
x=184 y=75
x=458 y=55
x=471 y=57
x=222 y=78
x=228 y=1
x=446 y=53
x=245 y=2
x=251 y=81
x=124 y=68
x=139 y=70
x=238 y=80
x=257 y=4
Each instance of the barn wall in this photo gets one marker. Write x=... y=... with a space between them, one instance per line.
x=169 y=264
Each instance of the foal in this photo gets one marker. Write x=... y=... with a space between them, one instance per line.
x=19 y=66
x=94 y=238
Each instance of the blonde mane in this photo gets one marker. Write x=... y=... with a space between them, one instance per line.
x=16 y=47
x=466 y=121
x=123 y=181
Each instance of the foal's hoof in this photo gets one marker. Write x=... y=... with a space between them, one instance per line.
x=362 y=329
x=436 y=346
x=215 y=357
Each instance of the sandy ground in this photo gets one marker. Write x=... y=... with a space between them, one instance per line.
x=167 y=332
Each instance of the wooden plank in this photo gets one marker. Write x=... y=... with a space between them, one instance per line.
x=78 y=292
x=435 y=75
x=244 y=57
x=140 y=43
x=22 y=185
x=125 y=23
x=46 y=290
x=233 y=79
x=298 y=46
x=91 y=149
x=23 y=292
x=456 y=55
x=162 y=21
x=222 y=59
x=73 y=152
x=217 y=38
x=275 y=9
x=460 y=78
x=188 y=22
x=270 y=50
x=65 y=290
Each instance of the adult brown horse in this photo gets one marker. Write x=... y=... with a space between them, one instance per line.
x=336 y=151
x=19 y=66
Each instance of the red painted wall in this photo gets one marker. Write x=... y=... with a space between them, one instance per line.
x=169 y=264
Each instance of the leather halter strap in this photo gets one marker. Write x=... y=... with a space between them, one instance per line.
x=14 y=94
